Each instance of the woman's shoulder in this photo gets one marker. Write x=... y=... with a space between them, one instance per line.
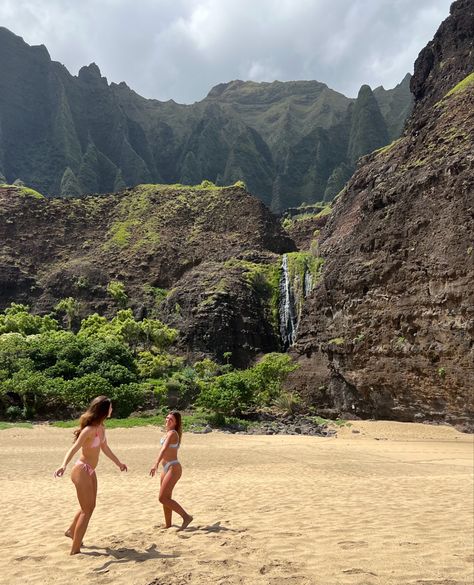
x=90 y=430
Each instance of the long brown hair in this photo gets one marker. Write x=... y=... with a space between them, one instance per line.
x=178 y=428
x=95 y=415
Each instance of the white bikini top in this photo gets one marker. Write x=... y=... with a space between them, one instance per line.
x=174 y=446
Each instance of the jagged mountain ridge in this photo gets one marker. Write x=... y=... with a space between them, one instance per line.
x=65 y=135
x=389 y=330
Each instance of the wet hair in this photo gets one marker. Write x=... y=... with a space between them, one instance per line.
x=96 y=413
x=178 y=427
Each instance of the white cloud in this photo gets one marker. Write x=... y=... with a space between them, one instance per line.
x=179 y=49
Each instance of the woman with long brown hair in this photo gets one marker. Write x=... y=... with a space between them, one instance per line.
x=172 y=470
x=90 y=437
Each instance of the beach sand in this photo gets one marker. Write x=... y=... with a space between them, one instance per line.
x=381 y=503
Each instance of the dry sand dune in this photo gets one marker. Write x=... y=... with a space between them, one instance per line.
x=391 y=503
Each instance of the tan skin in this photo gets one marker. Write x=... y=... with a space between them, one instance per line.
x=85 y=483
x=171 y=477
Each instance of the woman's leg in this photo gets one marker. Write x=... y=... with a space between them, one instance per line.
x=170 y=479
x=70 y=531
x=86 y=489
x=168 y=512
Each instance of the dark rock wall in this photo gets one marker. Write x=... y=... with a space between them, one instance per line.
x=389 y=331
x=196 y=244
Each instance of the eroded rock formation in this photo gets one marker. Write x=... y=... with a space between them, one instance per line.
x=389 y=330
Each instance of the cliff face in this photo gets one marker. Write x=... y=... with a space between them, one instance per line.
x=389 y=330
x=201 y=259
x=66 y=135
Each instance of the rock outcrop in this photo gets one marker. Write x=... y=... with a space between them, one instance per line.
x=204 y=260
x=389 y=330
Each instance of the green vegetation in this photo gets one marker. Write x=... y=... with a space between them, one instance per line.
x=462 y=85
x=70 y=307
x=387 y=148
x=195 y=420
x=338 y=422
x=442 y=372
x=24 y=191
x=265 y=280
x=46 y=371
x=337 y=341
x=116 y=290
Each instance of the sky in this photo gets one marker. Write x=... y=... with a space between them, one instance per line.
x=180 y=49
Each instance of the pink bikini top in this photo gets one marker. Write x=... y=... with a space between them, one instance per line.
x=96 y=442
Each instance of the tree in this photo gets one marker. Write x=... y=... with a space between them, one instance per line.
x=116 y=290
x=71 y=308
x=17 y=318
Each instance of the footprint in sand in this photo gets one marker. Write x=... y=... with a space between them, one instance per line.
x=347 y=544
x=408 y=543
x=358 y=572
x=437 y=582
x=30 y=558
x=280 y=566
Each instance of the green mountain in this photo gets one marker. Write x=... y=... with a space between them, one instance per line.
x=290 y=142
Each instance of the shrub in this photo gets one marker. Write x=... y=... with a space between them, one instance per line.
x=155 y=366
x=116 y=290
x=126 y=398
x=228 y=394
x=268 y=376
x=17 y=319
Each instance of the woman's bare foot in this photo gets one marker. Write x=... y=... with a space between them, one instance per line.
x=75 y=552
x=69 y=534
x=186 y=522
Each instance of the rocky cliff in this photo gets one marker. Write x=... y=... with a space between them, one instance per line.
x=389 y=330
x=203 y=259
x=66 y=135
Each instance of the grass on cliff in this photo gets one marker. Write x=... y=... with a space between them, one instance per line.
x=462 y=85
x=265 y=280
x=23 y=191
x=139 y=220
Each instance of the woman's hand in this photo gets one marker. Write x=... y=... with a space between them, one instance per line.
x=153 y=471
x=59 y=472
x=123 y=467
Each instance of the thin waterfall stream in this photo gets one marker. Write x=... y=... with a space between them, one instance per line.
x=293 y=291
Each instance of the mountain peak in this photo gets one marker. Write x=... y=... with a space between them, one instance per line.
x=90 y=72
x=448 y=58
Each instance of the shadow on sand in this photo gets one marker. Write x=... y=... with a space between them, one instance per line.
x=125 y=555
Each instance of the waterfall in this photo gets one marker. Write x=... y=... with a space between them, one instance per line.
x=293 y=291
x=308 y=283
x=288 y=319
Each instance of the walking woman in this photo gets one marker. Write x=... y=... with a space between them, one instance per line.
x=172 y=471
x=90 y=438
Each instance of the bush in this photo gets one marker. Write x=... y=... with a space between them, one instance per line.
x=228 y=394
x=17 y=319
x=269 y=374
x=116 y=290
x=81 y=391
x=155 y=366
x=126 y=398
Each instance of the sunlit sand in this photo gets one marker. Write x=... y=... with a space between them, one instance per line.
x=389 y=504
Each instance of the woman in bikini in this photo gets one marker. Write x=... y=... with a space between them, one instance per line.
x=90 y=437
x=172 y=471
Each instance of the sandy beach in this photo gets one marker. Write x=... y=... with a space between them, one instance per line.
x=381 y=503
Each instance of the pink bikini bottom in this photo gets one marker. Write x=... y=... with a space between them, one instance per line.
x=85 y=466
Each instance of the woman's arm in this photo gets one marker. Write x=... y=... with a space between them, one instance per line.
x=108 y=451
x=76 y=446
x=161 y=453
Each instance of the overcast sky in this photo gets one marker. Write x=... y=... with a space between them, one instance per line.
x=179 y=49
